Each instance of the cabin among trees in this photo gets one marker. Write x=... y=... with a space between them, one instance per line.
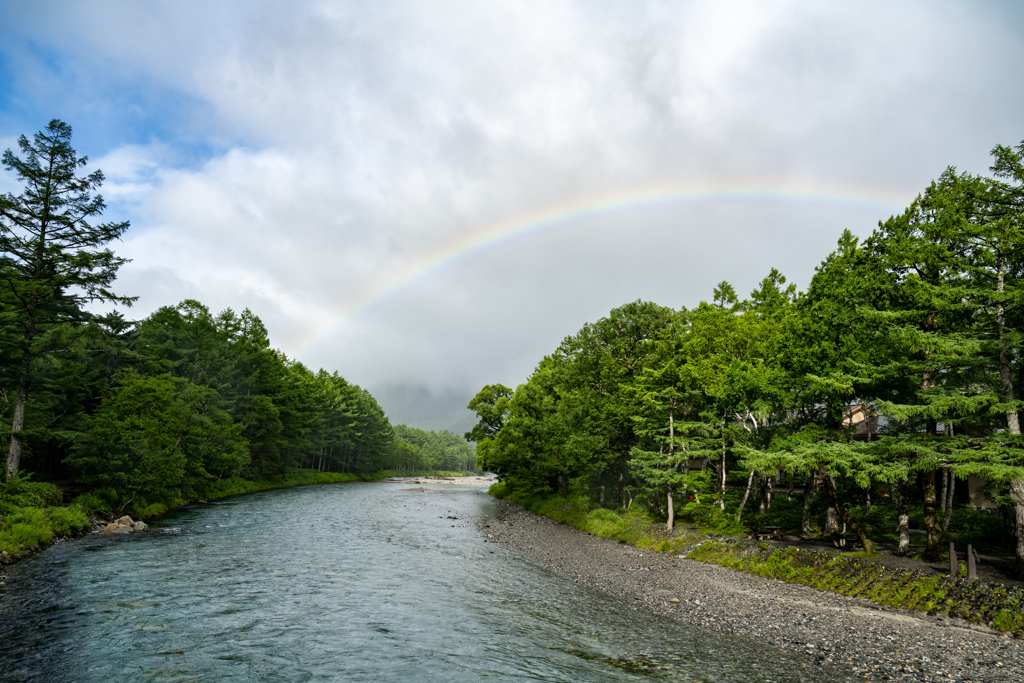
x=866 y=425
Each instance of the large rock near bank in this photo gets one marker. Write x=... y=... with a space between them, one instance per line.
x=124 y=525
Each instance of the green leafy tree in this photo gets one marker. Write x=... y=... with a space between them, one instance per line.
x=158 y=439
x=491 y=406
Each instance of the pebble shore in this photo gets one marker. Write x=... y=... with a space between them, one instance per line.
x=857 y=636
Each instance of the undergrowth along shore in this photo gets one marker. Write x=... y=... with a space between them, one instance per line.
x=32 y=517
x=996 y=605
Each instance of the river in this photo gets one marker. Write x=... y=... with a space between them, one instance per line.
x=362 y=582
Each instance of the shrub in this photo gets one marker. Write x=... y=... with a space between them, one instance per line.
x=24 y=529
x=709 y=517
x=604 y=523
x=98 y=502
x=21 y=492
x=499 y=490
x=148 y=510
x=67 y=521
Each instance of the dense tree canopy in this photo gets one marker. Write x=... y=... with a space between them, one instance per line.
x=918 y=326
x=158 y=409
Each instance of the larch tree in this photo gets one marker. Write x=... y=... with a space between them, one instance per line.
x=53 y=259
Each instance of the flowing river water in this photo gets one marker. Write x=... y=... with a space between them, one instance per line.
x=341 y=582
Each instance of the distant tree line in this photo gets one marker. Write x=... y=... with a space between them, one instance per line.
x=920 y=323
x=157 y=409
x=418 y=449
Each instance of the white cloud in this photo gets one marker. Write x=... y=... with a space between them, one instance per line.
x=350 y=139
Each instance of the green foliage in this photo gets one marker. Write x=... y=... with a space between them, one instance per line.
x=632 y=527
x=96 y=502
x=499 y=490
x=959 y=597
x=144 y=510
x=25 y=529
x=1007 y=620
x=67 y=521
x=605 y=523
x=491 y=404
x=987 y=532
x=900 y=360
x=20 y=492
x=709 y=517
x=419 y=449
x=53 y=261
x=28 y=528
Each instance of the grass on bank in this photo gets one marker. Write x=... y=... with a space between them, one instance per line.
x=999 y=606
x=31 y=516
x=982 y=602
x=632 y=527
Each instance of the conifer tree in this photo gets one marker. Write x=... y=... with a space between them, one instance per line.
x=53 y=258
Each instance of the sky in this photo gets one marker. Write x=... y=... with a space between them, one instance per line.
x=427 y=197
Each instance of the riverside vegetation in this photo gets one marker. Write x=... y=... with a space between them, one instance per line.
x=996 y=605
x=141 y=416
x=715 y=415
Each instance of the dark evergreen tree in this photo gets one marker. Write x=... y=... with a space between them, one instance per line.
x=53 y=258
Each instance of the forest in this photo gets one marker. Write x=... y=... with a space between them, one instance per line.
x=875 y=393
x=147 y=414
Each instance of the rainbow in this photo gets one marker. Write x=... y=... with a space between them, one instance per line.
x=486 y=238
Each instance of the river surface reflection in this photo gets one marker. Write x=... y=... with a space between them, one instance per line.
x=341 y=582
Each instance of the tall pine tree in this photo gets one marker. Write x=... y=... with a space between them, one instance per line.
x=53 y=259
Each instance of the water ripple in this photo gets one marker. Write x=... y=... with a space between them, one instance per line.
x=343 y=582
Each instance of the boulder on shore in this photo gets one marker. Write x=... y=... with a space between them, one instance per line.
x=123 y=525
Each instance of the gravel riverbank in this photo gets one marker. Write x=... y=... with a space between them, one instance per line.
x=871 y=642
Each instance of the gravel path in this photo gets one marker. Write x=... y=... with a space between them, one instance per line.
x=872 y=642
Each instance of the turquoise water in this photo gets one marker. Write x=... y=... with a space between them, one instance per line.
x=362 y=582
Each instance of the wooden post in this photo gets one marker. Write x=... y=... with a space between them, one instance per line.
x=972 y=568
x=954 y=568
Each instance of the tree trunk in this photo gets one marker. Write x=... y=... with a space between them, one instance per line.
x=602 y=495
x=830 y=486
x=903 y=510
x=948 y=506
x=1005 y=376
x=942 y=490
x=1012 y=420
x=743 y=503
x=671 y=511
x=867 y=502
x=1017 y=491
x=831 y=521
x=18 y=424
x=721 y=475
x=805 y=524
x=932 y=550
x=771 y=490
